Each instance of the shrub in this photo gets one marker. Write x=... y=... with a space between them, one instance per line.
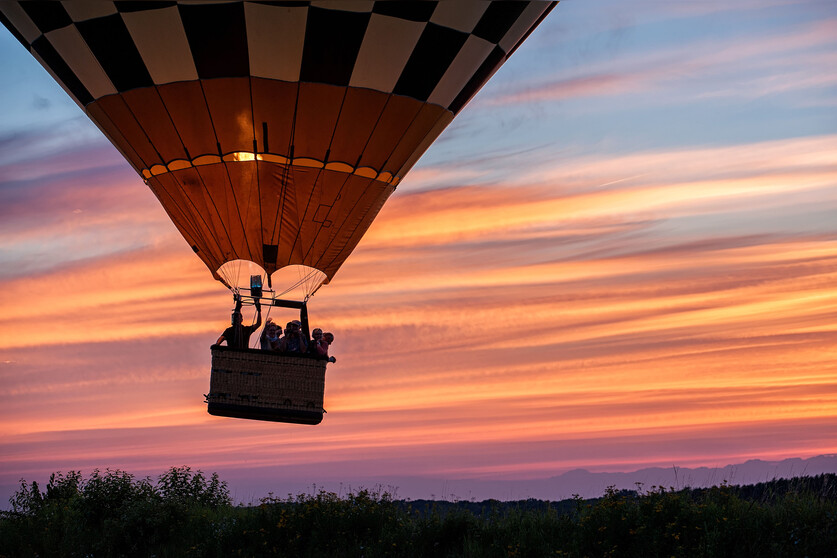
x=108 y=514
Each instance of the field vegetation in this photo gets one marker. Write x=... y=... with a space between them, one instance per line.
x=187 y=514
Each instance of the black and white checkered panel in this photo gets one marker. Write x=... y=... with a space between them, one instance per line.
x=436 y=52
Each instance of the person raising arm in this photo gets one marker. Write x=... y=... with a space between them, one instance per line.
x=237 y=335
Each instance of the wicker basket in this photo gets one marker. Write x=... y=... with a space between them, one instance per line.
x=264 y=385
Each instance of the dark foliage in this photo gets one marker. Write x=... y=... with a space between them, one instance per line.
x=185 y=514
x=109 y=514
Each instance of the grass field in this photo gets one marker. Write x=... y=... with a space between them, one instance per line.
x=187 y=514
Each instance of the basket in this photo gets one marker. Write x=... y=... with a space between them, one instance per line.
x=263 y=385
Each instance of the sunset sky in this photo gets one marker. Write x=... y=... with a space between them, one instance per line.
x=623 y=253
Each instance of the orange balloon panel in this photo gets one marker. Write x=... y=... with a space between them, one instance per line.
x=269 y=213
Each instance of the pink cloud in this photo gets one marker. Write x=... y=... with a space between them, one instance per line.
x=795 y=51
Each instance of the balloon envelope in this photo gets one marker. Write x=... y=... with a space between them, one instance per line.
x=272 y=132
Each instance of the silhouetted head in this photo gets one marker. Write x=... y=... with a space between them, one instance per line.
x=317 y=333
x=236 y=318
x=328 y=337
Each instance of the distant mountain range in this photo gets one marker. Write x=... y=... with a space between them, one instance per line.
x=582 y=482
x=247 y=487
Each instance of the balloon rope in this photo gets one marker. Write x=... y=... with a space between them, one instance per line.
x=298 y=283
x=264 y=325
x=314 y=291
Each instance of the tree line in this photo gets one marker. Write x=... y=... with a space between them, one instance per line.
x=184 y=513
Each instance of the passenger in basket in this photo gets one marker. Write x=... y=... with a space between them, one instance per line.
x=316 y=335
x=293 y=341
x=322 y=346
x=271 y=335
x=238 y=336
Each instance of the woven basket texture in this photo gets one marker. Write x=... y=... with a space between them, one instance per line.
x=267 y=380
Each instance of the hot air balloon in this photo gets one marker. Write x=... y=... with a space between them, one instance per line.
x=272 y=133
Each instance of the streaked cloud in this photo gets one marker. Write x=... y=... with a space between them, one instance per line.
x=519 y=308
x=796 y=58
x=566 y=311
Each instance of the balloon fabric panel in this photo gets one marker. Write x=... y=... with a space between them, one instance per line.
x=273 y=112
x=436 y=49
x=228 y=100
x=45 y=52
x=148 y=109
x=396 y=117
x=387 y=45
x=317 y=111
x=441 y=123
x=47 y=16
x=186 y=106
x=418 y=130
x=350 y=225
x=183 y=214
x=271 y=31
x=81 y=61
x=111 y=43
x=126 y=123
x=207 y=195
x=245 y=188
x=162 y=43
x=217 y=36
x=114 y=134
x=273 y=180
x=332 y=42
x=359 y=116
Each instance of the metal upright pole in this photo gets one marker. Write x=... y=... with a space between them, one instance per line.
x=303 y=317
